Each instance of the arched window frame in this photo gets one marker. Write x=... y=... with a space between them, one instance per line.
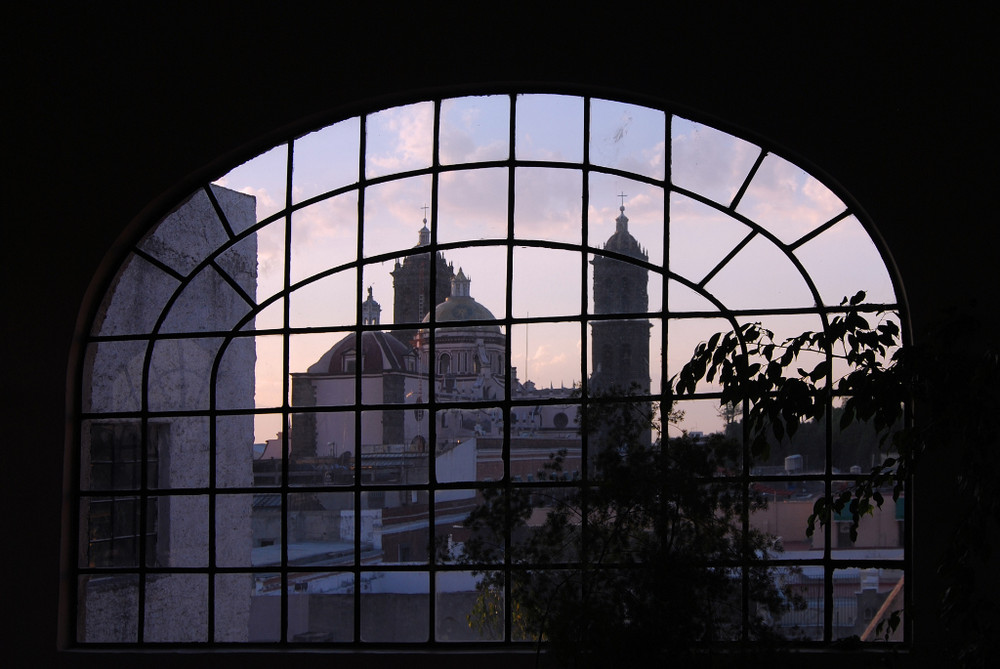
x=147 y=417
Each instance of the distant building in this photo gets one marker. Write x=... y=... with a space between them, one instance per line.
x=411 y=282
x=620 y=351
x=461 y=359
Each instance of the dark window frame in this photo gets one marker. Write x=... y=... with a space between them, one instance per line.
x=147 y=492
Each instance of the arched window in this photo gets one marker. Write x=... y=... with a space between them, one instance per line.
x=589 y=244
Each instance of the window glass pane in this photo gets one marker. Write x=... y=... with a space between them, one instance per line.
x=785 y=327
x=781 y=508
x=683 y=335
x=236 y=450
x=266 y=538
x=643 y=211
x=621 y=287
x=265 y=609
x=264 y=178
x=325 y=159
x=475 y=129
x=682 y=298
x=858 y=447
x=180 y=372
x=866 y=598
x=803 y=603
x=115 y=376
x=267 y=435
x=550 y=127
x=323 y=604
x=469 y=607
x=249 y=373
x=701 y=419
x=111 y=531
x=233 y=607
x=180 y=544
x=392 y=215
x=176 y=608
x=233 y=542
x=385 y=458
x=709 y=162
x=270 y=274
x=548 y=204
x=543 y=356
x=806 y=583
x=399 y=139
x=786 y=201
x=627 y=137
x=843 y=260
x=760 y=276
x=179 y=453
x=110 y=609
x=401 y=523
x=485 y=268
x=394 y=606
x=320 y=527
x=468 y=362
x=472 y=205
x=324 y=434
x=622 y=356
x=324 y=236
x=461 y=436
x=334 y=355
x=326 y=302
x=457 y=453
x=546 y=282
x=879 y=534
x=700 y=237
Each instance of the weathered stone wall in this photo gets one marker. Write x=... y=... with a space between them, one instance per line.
x=179 y=378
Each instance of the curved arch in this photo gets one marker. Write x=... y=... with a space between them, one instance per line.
x=206 y=294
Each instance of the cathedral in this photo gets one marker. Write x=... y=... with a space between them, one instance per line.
x=620 y=349
x=465 y=363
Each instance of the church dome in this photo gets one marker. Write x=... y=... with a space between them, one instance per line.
x=380 y=353
x=461 y=309
x=461 y=306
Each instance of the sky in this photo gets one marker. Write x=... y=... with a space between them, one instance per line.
x=472 y=205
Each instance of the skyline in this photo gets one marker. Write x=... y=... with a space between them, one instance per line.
x=473 y=204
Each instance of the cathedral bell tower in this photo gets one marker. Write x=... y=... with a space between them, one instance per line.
x=620 y=348
x=411 y=282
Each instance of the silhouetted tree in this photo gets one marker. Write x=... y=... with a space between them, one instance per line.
x=641 y=562
x=950 y=382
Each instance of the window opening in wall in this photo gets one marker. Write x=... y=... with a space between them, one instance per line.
x=267 y=457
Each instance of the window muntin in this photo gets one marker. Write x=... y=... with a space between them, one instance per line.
x=749 y=237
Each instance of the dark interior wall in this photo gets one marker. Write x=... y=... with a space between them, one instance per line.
x=113 y=112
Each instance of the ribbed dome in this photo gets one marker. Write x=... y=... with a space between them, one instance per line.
x=461 y=309
x=380 y=353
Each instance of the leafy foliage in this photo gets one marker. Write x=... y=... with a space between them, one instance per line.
x=637 y=565
x=753 y=370
x=951 y=384
x=600 y=576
